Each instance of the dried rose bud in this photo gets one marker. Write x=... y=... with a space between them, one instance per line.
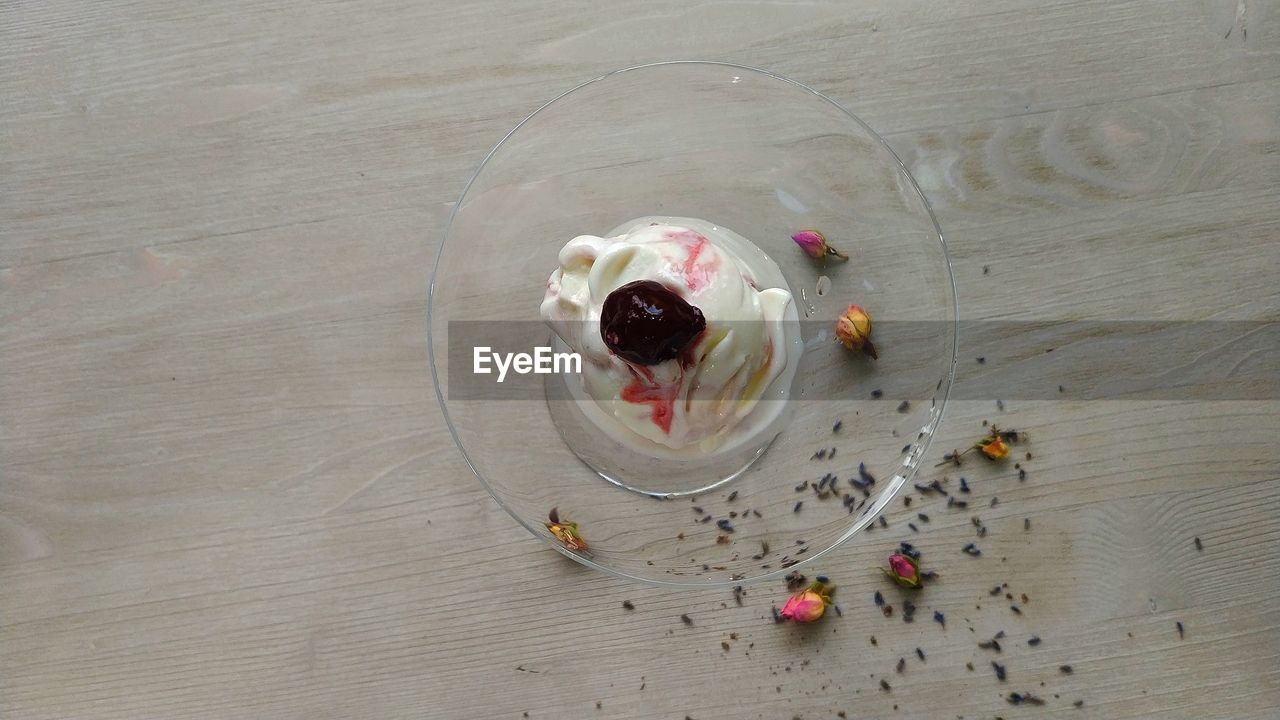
x=808 y=604
x=805 y=606
x=814 y=244
x=904 y=570
x=565 y=531
x=994 y=447
x=853 y=329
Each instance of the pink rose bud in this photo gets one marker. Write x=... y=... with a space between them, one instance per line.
x=809 y=604
x=904 y=570
x=853 y=330
x=805 y=606
x=814 y=244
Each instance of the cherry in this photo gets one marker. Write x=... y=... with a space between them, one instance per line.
x=645 y=323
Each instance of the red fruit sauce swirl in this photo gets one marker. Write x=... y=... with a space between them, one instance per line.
x=645 y=323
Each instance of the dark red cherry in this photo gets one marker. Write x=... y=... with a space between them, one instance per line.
x=645 y=323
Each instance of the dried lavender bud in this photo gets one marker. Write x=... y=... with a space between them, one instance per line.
x=865 y=476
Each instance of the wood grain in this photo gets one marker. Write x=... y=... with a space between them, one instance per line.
x=226 y=490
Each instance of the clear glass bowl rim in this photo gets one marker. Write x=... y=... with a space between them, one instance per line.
x=887 y=495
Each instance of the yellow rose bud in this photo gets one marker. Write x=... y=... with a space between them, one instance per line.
x=995 y=448
x=853 y=329
x=564 y=531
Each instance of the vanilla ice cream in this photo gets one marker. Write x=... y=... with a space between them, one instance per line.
x=741 y=342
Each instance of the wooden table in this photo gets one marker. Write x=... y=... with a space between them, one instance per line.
x=225 y=487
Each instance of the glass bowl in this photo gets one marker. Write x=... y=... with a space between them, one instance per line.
x=749 y=151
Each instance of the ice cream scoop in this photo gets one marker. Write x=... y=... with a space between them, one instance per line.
x=683 y=326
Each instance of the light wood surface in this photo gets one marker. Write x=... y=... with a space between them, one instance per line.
x=226 y=490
